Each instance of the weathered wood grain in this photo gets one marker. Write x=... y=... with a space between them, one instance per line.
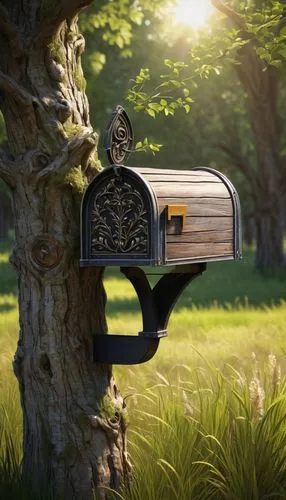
x=200 y=207
x=199 y=250
x=194 y=224
x=220 y=236
x=167 y=171
x=187 y=190
x=180 y=177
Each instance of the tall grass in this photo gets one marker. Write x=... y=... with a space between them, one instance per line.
x=210 y=435
x=207 y=413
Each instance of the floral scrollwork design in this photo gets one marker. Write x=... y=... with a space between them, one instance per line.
x=119 y=220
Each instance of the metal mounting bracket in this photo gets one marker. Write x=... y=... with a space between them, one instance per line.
x=156 y=306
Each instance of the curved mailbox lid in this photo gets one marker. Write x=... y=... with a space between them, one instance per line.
x=208 y=224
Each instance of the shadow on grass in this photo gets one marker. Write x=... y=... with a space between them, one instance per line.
x=6 y=307
x=8 y=282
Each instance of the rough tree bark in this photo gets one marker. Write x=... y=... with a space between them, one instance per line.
x=74 y=417
x=6 y=221
x=260 y=81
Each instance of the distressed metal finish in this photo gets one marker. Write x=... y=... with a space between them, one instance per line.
x=118 y=139
x=119 y=222
x=156 y=306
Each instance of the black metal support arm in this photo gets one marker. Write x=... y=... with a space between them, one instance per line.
x=156 y=306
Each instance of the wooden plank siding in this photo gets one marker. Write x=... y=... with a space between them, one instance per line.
x=202 y=237
x=199 y=250
x=219 y=236
x=181 y=178
x=207 y=224
x=200 y=207
x=190 y=190
x=208 y=228
x=162 y=173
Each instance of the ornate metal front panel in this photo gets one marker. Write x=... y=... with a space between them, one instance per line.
x=119 y=219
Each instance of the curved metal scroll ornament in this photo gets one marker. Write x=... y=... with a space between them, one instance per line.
x=118 y=138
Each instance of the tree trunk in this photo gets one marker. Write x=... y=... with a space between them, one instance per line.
x=260 y=81
x=269 y=189
x=5 y=215
x=74 y=425
x=269 y=230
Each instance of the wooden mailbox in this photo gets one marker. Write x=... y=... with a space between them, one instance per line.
x=144 y=216
x=134 y=217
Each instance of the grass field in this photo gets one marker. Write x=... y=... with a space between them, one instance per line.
x=207 y=413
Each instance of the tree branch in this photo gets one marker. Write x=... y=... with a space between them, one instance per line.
x=240 y=162
x=281 y=23
x=76 y=152
x=230 y=13
x=6 y=169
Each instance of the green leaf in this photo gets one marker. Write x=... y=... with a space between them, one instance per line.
x=155 y=106
x=136 y=16
x=168 y=63
x=154 y=147
x=151 y=112
x=176 y=83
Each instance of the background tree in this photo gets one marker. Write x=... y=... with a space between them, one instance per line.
x=259 y=71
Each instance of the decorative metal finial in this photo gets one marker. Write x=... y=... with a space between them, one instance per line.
x=118 y=138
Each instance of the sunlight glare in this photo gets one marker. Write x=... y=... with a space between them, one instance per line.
x=195 y=13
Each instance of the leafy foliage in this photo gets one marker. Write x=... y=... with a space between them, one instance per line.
x=116 y=20
x=264 y=25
